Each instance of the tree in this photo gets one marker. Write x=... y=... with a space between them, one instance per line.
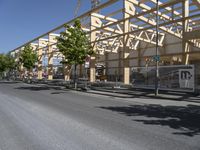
x=7 y=63
x=3 y=66
x=10 y=62
x=11 y=65
x=28 y=58
x=74 y=45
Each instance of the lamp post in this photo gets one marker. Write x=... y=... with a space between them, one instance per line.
x=157 y=59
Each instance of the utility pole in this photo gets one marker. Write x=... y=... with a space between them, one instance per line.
x=157 y=57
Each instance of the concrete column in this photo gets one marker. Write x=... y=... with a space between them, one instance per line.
x=106 y=64
x=92 y=69
x=126 y=50
x=50 y=57
x=21 y=68
x=39 y=61
x=139 y=56
x=21 y=71
x=41 y=44
x=67 y=71
x=185 y=44
x=93 y=58
x=120 y=62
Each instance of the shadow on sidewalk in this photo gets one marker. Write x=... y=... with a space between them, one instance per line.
x=149 y=94
x=112 y=94
x=186 y=120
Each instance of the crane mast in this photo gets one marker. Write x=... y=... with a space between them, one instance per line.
x=95 y=3
x=78 y=5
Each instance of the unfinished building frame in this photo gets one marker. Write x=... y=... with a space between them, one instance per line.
x=123 y=34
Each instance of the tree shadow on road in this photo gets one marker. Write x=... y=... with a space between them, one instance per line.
x=186 y=120
x=9 y=82
x=55 y=93
x=39 y=88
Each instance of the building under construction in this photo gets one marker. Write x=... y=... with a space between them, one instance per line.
x=128 y=35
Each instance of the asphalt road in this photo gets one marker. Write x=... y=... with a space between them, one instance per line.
x=47 y=118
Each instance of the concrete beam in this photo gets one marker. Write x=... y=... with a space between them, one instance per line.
x=42 y=43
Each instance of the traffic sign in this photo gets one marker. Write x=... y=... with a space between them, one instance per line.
x=156 y=58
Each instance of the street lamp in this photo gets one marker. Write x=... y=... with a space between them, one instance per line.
x=157 y=57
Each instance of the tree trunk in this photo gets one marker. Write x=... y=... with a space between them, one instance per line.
x=29 y=75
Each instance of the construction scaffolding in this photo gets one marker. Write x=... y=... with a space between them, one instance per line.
x=123 y=34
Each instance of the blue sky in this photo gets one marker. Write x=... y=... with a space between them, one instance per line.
x=23 y=20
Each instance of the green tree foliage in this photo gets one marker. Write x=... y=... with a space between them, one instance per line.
x=74 y=44
x=7 y=63
x=3 y=66
x=28 y=57
x=11 y=63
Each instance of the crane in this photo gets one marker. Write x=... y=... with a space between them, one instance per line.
x=78 y=5
x=94 y=4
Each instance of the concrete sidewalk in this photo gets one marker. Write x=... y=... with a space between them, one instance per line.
x=141 y=93
x=125 y=92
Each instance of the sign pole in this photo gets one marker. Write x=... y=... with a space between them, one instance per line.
x=157 y=60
